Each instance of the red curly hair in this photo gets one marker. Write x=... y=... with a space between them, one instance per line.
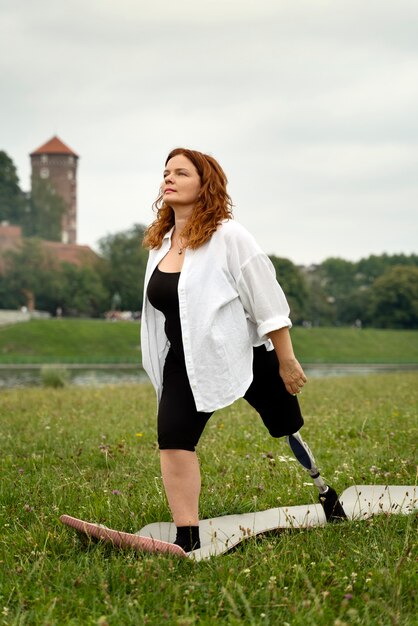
x=213 y=204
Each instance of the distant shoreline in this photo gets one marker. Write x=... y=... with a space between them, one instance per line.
x=123 y=366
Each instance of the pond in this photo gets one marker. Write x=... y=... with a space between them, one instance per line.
x=95 y=376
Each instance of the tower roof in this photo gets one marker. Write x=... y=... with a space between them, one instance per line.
x=54 y=146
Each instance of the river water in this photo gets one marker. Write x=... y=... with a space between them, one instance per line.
x=82 y=376
x=78 y=376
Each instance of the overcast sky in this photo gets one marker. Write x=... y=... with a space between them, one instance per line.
x=310 y=106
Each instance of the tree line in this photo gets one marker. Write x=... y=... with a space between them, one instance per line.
x=377 y=291
x=114 y=281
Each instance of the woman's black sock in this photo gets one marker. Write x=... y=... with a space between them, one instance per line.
x=188 y=538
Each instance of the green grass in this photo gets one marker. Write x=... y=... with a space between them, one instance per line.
x=350 y=345
x=98 y=341
x=70 y=341
x=92 y=453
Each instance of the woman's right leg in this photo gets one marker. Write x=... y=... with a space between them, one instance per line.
x=179 y=428
x=181 y=478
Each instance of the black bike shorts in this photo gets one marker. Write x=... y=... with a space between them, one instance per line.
x=180 y=425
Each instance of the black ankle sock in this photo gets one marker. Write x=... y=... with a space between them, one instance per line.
x=188 y=538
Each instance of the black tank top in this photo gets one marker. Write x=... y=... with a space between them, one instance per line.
x=163 y=295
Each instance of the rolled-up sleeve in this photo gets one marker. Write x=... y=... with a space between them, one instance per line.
x=262 y=296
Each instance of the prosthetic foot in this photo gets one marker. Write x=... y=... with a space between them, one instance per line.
x=333 y=510
x=327 y=496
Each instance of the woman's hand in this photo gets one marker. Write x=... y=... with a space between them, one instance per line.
x=292 y=375
x=290 y=369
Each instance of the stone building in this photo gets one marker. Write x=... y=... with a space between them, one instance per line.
x=11 y=240
x=57 y=163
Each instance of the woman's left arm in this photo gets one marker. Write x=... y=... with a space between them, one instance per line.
x=290 y=369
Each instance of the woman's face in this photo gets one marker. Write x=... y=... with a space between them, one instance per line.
x=181 y=183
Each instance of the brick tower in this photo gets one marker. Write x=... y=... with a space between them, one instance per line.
x=56 y=162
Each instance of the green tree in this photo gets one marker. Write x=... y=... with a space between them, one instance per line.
x=34 y=278
x=320 y=310
x=44 y=219
x=393 y=299
x=370 y=268
x=12 y=199
x=340 y=280
x=123 y=266
x=30 y=273
x=339 y=276
x=7 y=298
x=82 y=291
x=294 y=285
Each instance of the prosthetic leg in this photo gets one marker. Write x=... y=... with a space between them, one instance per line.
x=327 y=496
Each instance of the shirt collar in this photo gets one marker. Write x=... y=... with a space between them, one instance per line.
x=169 y=233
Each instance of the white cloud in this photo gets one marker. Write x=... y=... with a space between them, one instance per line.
x=309 y=106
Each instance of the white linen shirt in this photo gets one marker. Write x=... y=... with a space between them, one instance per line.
x=229 y=300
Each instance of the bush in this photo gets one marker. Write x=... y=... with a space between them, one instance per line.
x=54 y=377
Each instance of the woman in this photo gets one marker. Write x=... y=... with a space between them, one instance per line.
x=215 y=327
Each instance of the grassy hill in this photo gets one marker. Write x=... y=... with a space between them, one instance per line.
x=99 y=341
x=70 y=340
x=350 y=345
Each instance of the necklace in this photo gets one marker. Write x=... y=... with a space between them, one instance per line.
x=180 y=245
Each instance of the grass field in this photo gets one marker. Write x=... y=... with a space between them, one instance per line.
x=70 y=340
x=97 y=341
x=350 y=345
x=92 y=453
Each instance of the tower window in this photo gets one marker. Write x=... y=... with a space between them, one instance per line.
x=44 y=158
x=44 y=172
x=70 y=175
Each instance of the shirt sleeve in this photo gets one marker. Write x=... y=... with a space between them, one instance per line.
x=261 y=295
